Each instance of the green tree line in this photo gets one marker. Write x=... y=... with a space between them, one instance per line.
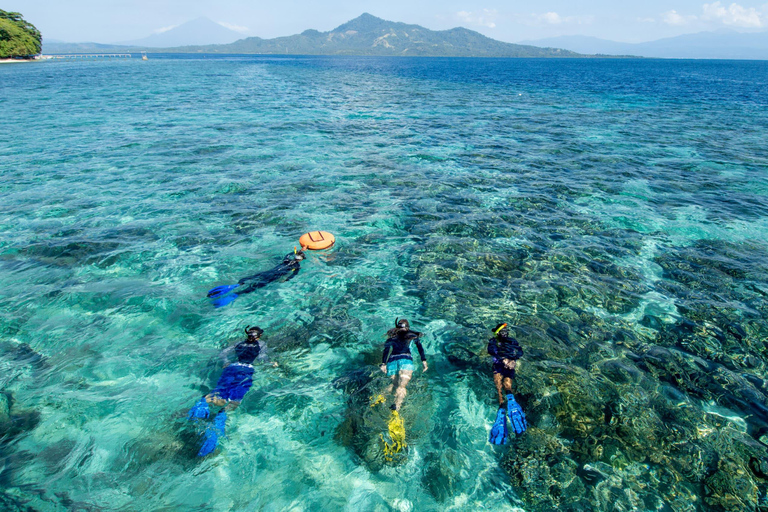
x=18 y=37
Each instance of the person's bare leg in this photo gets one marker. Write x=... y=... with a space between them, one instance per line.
x=215 y=400
x=507 y=385
x=404 y=377
x=497 y=380
x=391 y=385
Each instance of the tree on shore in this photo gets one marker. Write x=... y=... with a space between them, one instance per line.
x=18 y=37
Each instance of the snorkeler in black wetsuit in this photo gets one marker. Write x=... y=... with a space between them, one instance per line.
x=506 y=353
x=288 y=269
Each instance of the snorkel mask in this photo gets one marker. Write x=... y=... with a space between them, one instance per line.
x=254 y=332
x=402 y=324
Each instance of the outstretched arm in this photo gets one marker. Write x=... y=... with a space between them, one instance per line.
x=226 y=356
x=423 y=356
x=292 y=274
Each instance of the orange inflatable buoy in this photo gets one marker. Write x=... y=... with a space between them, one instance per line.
x=317 y=240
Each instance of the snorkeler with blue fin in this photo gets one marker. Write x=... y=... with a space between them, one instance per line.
x=286 y=270
x=506 y=351
x=233 y=384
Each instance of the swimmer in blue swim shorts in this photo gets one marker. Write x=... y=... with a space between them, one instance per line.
x=397 y=361
x=234 y=383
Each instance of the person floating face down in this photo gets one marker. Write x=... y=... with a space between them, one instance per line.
x=506 y=352
x=397 y=361
x=285 y=270
x=233 y=384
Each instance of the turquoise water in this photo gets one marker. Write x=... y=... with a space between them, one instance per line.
x=615 y=212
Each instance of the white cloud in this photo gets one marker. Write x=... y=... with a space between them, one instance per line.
x=231 y=26
x=673 y=18
x=646 y=20
x=553 y=18
x=165 y=29
x=486 y=18
x=735 y=15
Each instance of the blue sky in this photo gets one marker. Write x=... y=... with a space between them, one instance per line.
x=108 y=21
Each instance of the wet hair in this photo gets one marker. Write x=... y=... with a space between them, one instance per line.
x=402 y=327
x=254 y=331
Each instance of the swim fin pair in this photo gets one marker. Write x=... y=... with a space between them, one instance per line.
x=499 y=433
x=222 y=295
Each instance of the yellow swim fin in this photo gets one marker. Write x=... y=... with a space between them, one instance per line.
x=396 y=428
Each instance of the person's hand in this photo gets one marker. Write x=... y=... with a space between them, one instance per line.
x=274 y=364
x=424 y=365
x=383 y=368
x=510 y=363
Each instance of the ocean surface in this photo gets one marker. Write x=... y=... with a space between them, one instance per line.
x=614 y=212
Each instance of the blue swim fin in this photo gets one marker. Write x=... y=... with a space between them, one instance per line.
x=222 y=301
x=199 y=410
x=221 y=290
x=499 y=433
x=516 y=415
x=212 y=434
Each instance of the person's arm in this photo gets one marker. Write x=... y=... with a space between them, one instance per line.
x=516 y=351
x=493 y=348
x=385 y=356
x=423 y=356
x=263 y=356
x=226 y=356
x=293 y=274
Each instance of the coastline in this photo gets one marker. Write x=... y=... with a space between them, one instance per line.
x=34 y=59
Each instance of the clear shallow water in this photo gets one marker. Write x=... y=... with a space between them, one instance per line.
x=614 y=211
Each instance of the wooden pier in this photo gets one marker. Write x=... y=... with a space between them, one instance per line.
x=90 y=56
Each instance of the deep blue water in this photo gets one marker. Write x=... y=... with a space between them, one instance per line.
x=613 y=211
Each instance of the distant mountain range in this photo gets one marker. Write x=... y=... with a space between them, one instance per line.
x=369 y=35
x=704 y=45
x=364 y=35
x=198 y=31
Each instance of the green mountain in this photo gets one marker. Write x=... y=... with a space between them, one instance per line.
x=18 y=37
x=365 y=35
x=369 y=35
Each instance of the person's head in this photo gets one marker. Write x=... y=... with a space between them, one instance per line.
x=401 y=329
x=253 y=333
x=501 y=330
x=299 y=255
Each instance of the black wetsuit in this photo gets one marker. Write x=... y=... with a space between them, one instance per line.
x=504 y=347
x=288 y=268
x=398 y=347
